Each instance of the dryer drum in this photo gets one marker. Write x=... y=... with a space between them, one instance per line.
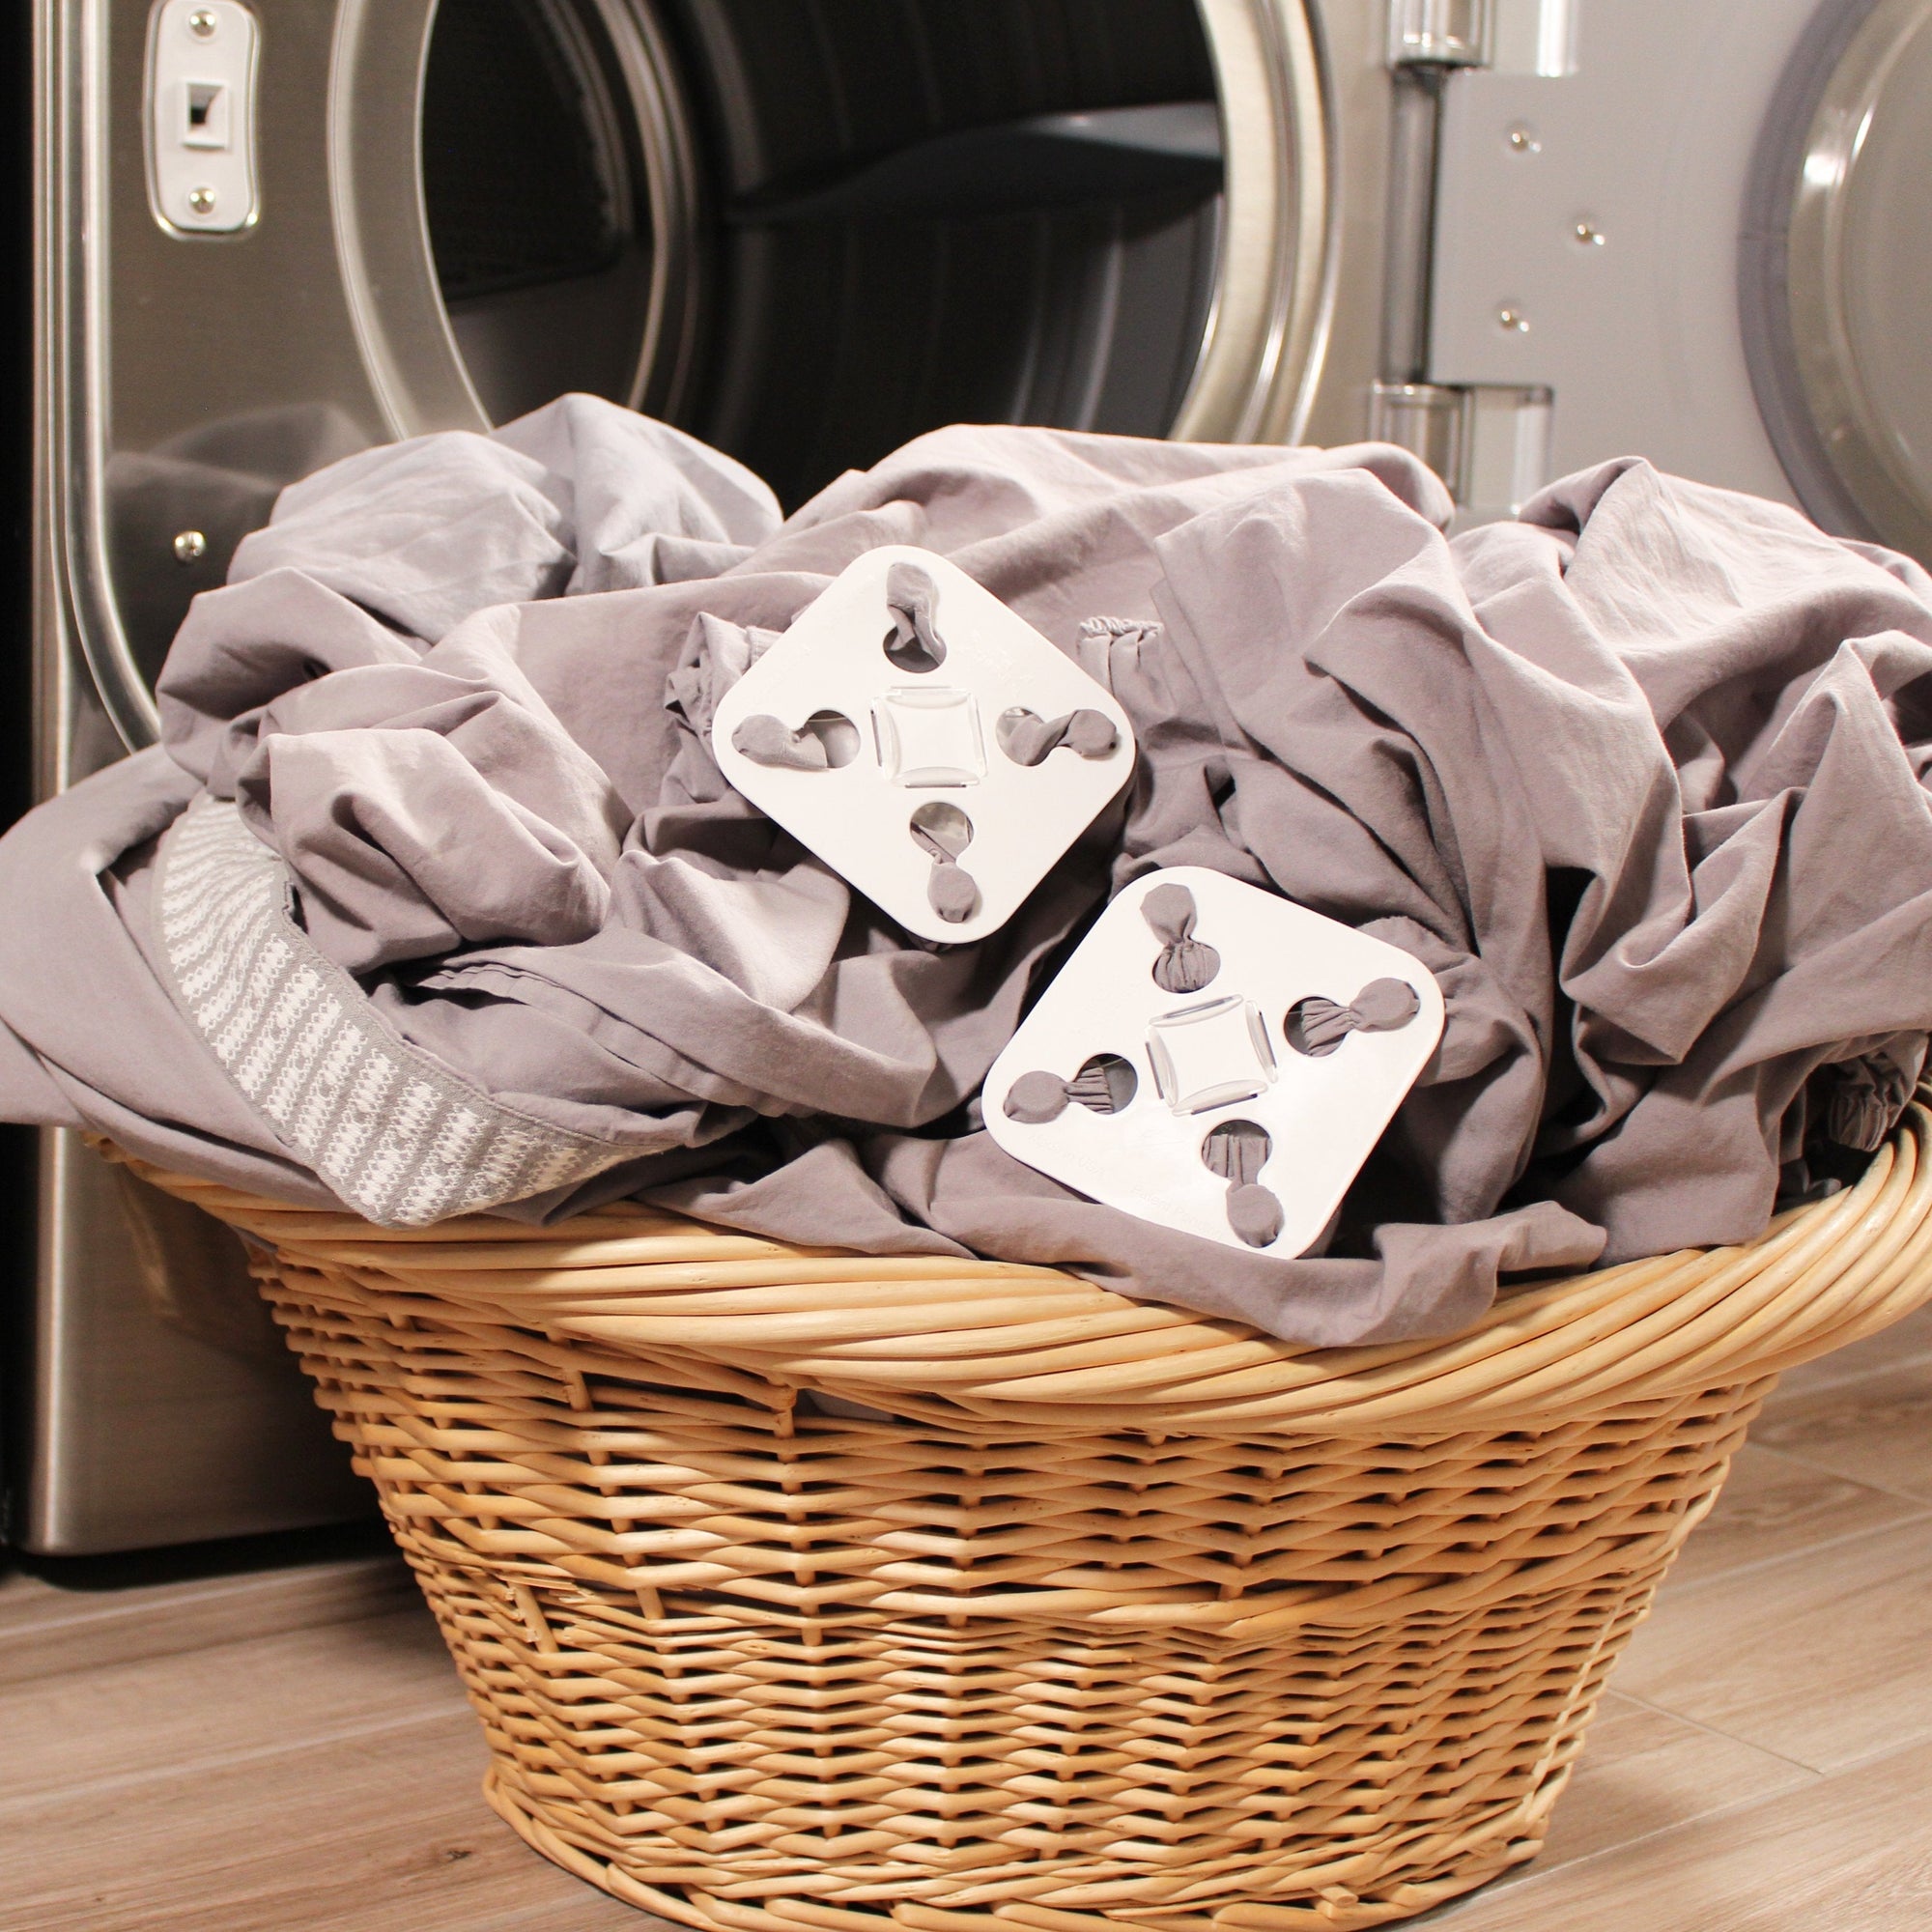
x=810 y=233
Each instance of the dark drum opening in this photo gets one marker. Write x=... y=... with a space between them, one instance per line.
x=531 y=178
x=899 y=216
x=517 y=187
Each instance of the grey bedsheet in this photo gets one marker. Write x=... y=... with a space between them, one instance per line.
x=1639 y=775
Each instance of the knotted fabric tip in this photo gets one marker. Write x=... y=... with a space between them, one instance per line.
x=913 y=599
x=765 y=741
x=1235 y=1151
x=1034 y=1098
x=952 y=893
x=1186 y=964
x=1030 y=740
x=1254 y=1215
x=1383 y=1006
x=1104 y=1084
x=1090 y=734
x=1316 y=1025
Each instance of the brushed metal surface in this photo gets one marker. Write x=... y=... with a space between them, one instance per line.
x=180 y=381
x=1648 y=144
x=161 y=1410
x=367 y=180
x=1344 y=360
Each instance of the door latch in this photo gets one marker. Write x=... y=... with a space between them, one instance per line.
x=202 y=57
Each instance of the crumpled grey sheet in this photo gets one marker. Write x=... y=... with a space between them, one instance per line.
x=1639 y=775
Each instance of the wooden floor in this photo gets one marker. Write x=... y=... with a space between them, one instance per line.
x=287 y=1750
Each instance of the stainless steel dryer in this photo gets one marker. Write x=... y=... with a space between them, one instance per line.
x=1517 y=234
x=274 y=233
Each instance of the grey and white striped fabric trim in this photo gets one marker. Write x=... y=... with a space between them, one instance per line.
x=400 y=1138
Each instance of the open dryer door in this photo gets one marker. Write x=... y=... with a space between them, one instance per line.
x=274 y=232
x=805 y=232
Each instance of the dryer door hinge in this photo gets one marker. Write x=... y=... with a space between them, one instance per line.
x=1533 y=37
x=1440 y=33
x=1488 y=442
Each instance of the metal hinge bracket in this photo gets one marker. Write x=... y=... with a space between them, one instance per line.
x=1488 y=442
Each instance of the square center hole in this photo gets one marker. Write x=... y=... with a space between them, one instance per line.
x=929 y=735
x=1215 y=1054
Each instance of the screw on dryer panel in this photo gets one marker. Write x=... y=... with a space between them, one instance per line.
x=1513 y=320
x=1522 y=140
x=202 y=24
x=189 y=547
x=201 y=200
x=1588 y=235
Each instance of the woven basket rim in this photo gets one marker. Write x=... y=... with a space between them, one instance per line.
x=925 y=1335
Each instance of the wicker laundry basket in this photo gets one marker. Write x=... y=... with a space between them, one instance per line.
x=806 y=1593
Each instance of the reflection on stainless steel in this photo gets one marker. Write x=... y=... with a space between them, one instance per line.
x=1834 y=270
x=194 y=1272
x=1409 y=231
x=180 y=380
x=1430 y=420
x=266 y=310
x=1344 y=359
x=667 y=345
x=1440 y=33
x=376 y=257
x=71 y=194
x=144 y=1426
x=176 y=511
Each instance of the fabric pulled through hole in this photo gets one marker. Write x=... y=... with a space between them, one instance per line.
x=1029 y=739
x=1235 y=1151
x=950 y=891
x=913 y=643
x=824 y=742
x=1316 y=1027
x=1186 y=964
x=1104 y=1084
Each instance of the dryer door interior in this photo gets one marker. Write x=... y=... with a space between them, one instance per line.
x=805 y=232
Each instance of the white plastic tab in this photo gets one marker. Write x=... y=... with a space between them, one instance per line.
x=929 y=745
x=1240 y=1108
x=202 y=57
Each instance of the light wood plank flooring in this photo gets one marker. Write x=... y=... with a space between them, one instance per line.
x=286 y=1749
